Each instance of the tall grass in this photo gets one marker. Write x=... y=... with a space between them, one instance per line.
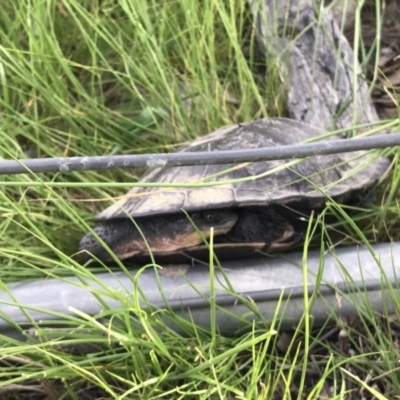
x=112 y=77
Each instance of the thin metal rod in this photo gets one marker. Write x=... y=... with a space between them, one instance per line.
x=69 y=164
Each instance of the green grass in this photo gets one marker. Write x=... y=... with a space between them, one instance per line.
x=117 y=77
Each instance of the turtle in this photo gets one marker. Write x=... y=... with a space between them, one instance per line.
x=267 y=209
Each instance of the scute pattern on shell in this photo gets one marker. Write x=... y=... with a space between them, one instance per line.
x=284 y=186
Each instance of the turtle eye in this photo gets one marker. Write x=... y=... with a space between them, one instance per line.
x=209 y=216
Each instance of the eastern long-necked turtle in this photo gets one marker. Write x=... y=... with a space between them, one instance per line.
x=263 y=211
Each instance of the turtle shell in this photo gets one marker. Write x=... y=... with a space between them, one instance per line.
x=310 y=181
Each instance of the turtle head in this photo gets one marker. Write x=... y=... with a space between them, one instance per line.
x=221 y=221
x=158 y=233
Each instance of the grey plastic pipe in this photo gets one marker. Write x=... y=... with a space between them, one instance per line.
x=344 y=279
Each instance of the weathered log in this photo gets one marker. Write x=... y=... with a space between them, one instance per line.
x=324 y=84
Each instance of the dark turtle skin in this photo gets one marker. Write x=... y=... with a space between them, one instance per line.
x=163 y=233
x=268 y=211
